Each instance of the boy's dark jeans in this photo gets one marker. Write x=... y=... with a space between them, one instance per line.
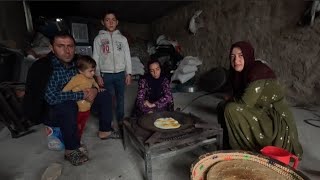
x=64 y=115
x=115 y=84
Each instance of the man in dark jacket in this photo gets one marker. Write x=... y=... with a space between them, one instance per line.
x=52 y=74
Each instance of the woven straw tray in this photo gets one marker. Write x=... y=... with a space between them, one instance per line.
x=240 y=165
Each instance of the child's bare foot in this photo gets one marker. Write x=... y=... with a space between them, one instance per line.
x=83 y=148
x=104 y=134
x=109 y=135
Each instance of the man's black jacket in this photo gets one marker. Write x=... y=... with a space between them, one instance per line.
x=38 y=76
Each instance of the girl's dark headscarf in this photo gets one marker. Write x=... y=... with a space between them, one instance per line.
x=252 y=71
x=155 y=85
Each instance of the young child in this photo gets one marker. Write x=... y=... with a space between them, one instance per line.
x=112 y=54
x=84 y=80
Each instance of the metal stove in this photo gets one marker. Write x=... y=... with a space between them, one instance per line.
x=152 y=142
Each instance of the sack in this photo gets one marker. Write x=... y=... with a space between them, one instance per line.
x=190 y=60
x=188 y=69
x=182 y=77
x=11 y=111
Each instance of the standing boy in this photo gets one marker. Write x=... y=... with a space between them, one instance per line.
x=112 y=54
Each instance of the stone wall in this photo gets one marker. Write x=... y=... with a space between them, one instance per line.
x=270 y=25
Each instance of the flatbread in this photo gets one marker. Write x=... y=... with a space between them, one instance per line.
x=167 y=123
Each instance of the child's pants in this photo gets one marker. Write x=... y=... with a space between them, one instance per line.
x=81 y=121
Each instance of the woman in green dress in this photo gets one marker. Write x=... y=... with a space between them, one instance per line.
x=257 y=114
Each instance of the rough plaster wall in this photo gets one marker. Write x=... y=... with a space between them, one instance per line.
x=12 y=22
x=136 y=31
x=270 y=25
x=138 y=35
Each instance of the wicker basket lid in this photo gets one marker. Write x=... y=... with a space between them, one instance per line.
x=238 y=165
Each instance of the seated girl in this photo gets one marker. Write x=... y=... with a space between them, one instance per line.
x=154 y=93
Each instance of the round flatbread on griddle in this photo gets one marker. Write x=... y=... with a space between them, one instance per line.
x=167 y=123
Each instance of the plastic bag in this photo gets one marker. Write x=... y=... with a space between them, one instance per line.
x=182 y=77
x=54 y=137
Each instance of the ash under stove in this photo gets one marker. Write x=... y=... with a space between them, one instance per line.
x=153 y=142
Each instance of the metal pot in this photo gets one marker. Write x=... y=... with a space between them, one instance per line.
x=189 y=89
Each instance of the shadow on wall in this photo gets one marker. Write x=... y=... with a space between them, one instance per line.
x=205 y=108
x=215 y=80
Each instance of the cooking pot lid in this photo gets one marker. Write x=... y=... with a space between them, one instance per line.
x=185 y=120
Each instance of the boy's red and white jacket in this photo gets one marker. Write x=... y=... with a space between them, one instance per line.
x=111 y=52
